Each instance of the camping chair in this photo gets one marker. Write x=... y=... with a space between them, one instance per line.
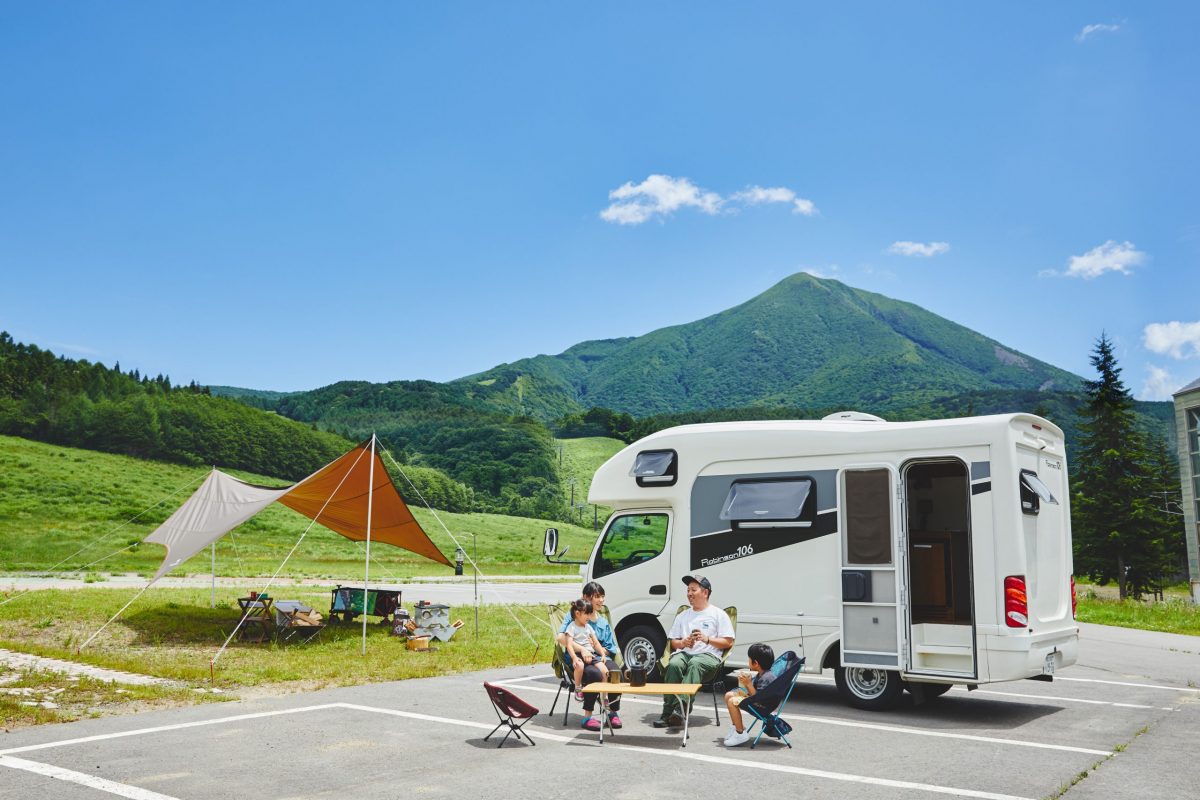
x=562 y=665
x=509 y=707
x=766 y=704
x=715 y=678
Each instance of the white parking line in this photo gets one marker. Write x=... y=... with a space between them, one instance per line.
x=733 y=762
x=821 y=679
x=893 y=728
x=135 y=793
x=83 y=779
x=1126 y=683
x=160 y=728
x=1060 y=699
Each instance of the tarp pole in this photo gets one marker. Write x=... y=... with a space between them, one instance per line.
x=367 y=560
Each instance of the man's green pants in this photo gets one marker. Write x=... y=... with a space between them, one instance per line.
x=686 y=668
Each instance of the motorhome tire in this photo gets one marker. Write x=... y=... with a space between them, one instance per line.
x=932 y=690
x=643 y=644
x=867 y=688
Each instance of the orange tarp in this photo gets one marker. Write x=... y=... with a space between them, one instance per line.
x=346 y=509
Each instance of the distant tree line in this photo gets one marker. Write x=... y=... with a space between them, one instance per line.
x=81 y=404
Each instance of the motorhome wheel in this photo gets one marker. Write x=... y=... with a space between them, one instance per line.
x=931 y=690
x=869 y=689
x=643 y=646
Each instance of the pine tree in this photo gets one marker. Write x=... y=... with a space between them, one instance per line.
x=1119 y=531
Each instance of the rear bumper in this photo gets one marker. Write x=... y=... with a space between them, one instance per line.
x=1014 y=657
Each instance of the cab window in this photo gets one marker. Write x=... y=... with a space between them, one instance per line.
x=630 y=540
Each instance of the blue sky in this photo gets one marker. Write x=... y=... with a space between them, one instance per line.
x=282 y=195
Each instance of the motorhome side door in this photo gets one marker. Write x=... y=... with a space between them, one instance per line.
x=870 y=520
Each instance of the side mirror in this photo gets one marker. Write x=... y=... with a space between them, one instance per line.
x=550 y=548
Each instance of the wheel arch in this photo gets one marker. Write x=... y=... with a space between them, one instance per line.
x=634 y=620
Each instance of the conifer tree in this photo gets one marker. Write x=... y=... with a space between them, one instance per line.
x=1119 y=532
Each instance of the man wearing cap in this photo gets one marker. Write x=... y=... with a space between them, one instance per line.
x=699 y=636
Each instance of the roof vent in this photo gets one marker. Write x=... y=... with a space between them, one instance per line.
x=854 y=416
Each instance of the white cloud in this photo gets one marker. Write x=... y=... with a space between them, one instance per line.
x=756 y=195
x=831 y=271
x=919 y=249
x=1090 y=30
x=805 y=207
x=662 y=195
x=1174 y=339
x=1160 y=385
x=658 y=195
x=1108 y=257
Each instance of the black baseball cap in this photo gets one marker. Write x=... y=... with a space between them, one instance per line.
x=700 y=579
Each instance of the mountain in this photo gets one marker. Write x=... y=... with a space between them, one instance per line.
x=805 y=342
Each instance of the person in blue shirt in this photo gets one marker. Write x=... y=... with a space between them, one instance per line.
x=594 y=592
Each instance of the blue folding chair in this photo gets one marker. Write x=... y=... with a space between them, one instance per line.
x=766 y=703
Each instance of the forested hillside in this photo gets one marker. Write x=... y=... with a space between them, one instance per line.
x=508 y=462
x=81 y=404
x=806 y=342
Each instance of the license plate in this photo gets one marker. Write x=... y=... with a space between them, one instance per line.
x=1048 y=667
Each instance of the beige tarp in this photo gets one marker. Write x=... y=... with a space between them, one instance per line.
x=335 y=496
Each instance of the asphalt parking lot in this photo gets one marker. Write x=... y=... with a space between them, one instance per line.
x=1128 y=715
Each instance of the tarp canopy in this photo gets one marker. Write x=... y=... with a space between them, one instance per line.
x=335 y=496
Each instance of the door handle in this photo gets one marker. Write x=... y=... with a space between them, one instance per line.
x=658 y=588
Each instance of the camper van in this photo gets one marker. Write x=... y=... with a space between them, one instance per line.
x=901 y=555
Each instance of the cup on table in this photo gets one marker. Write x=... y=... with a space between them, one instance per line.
x=614 y=676
x=254 y=595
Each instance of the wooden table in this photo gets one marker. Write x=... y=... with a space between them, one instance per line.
x=684 y=691
x=258 y=619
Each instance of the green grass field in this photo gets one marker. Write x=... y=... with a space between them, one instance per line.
x=580 y=460
x=1174 y=614
x=174 y=634
x=56 y=500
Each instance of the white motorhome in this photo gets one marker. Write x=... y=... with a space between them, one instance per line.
x=912 y=555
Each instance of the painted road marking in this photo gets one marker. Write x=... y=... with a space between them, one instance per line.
x=83 y=779
x=815 y=679
x=1125 y=683
x=707 y=759
x=892 y=728
x=161 y=728
x=143 y=794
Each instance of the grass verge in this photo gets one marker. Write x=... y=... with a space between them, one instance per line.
x=1173 y=615
x=172 y=633
x=33 y=697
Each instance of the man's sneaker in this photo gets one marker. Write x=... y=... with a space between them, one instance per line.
x=614 y=720
x=737 y=738
x=732 y=731
x=591 y=724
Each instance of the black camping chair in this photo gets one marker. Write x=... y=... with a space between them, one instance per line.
x=766 y=703
x=509 y=708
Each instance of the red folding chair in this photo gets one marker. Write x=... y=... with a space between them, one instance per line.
x=509 y=708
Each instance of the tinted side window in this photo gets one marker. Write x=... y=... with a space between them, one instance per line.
x=868 y=517
x=630 y=540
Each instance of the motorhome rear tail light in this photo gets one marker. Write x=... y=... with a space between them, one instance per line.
x=1074 y=601
x=1016 y=603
